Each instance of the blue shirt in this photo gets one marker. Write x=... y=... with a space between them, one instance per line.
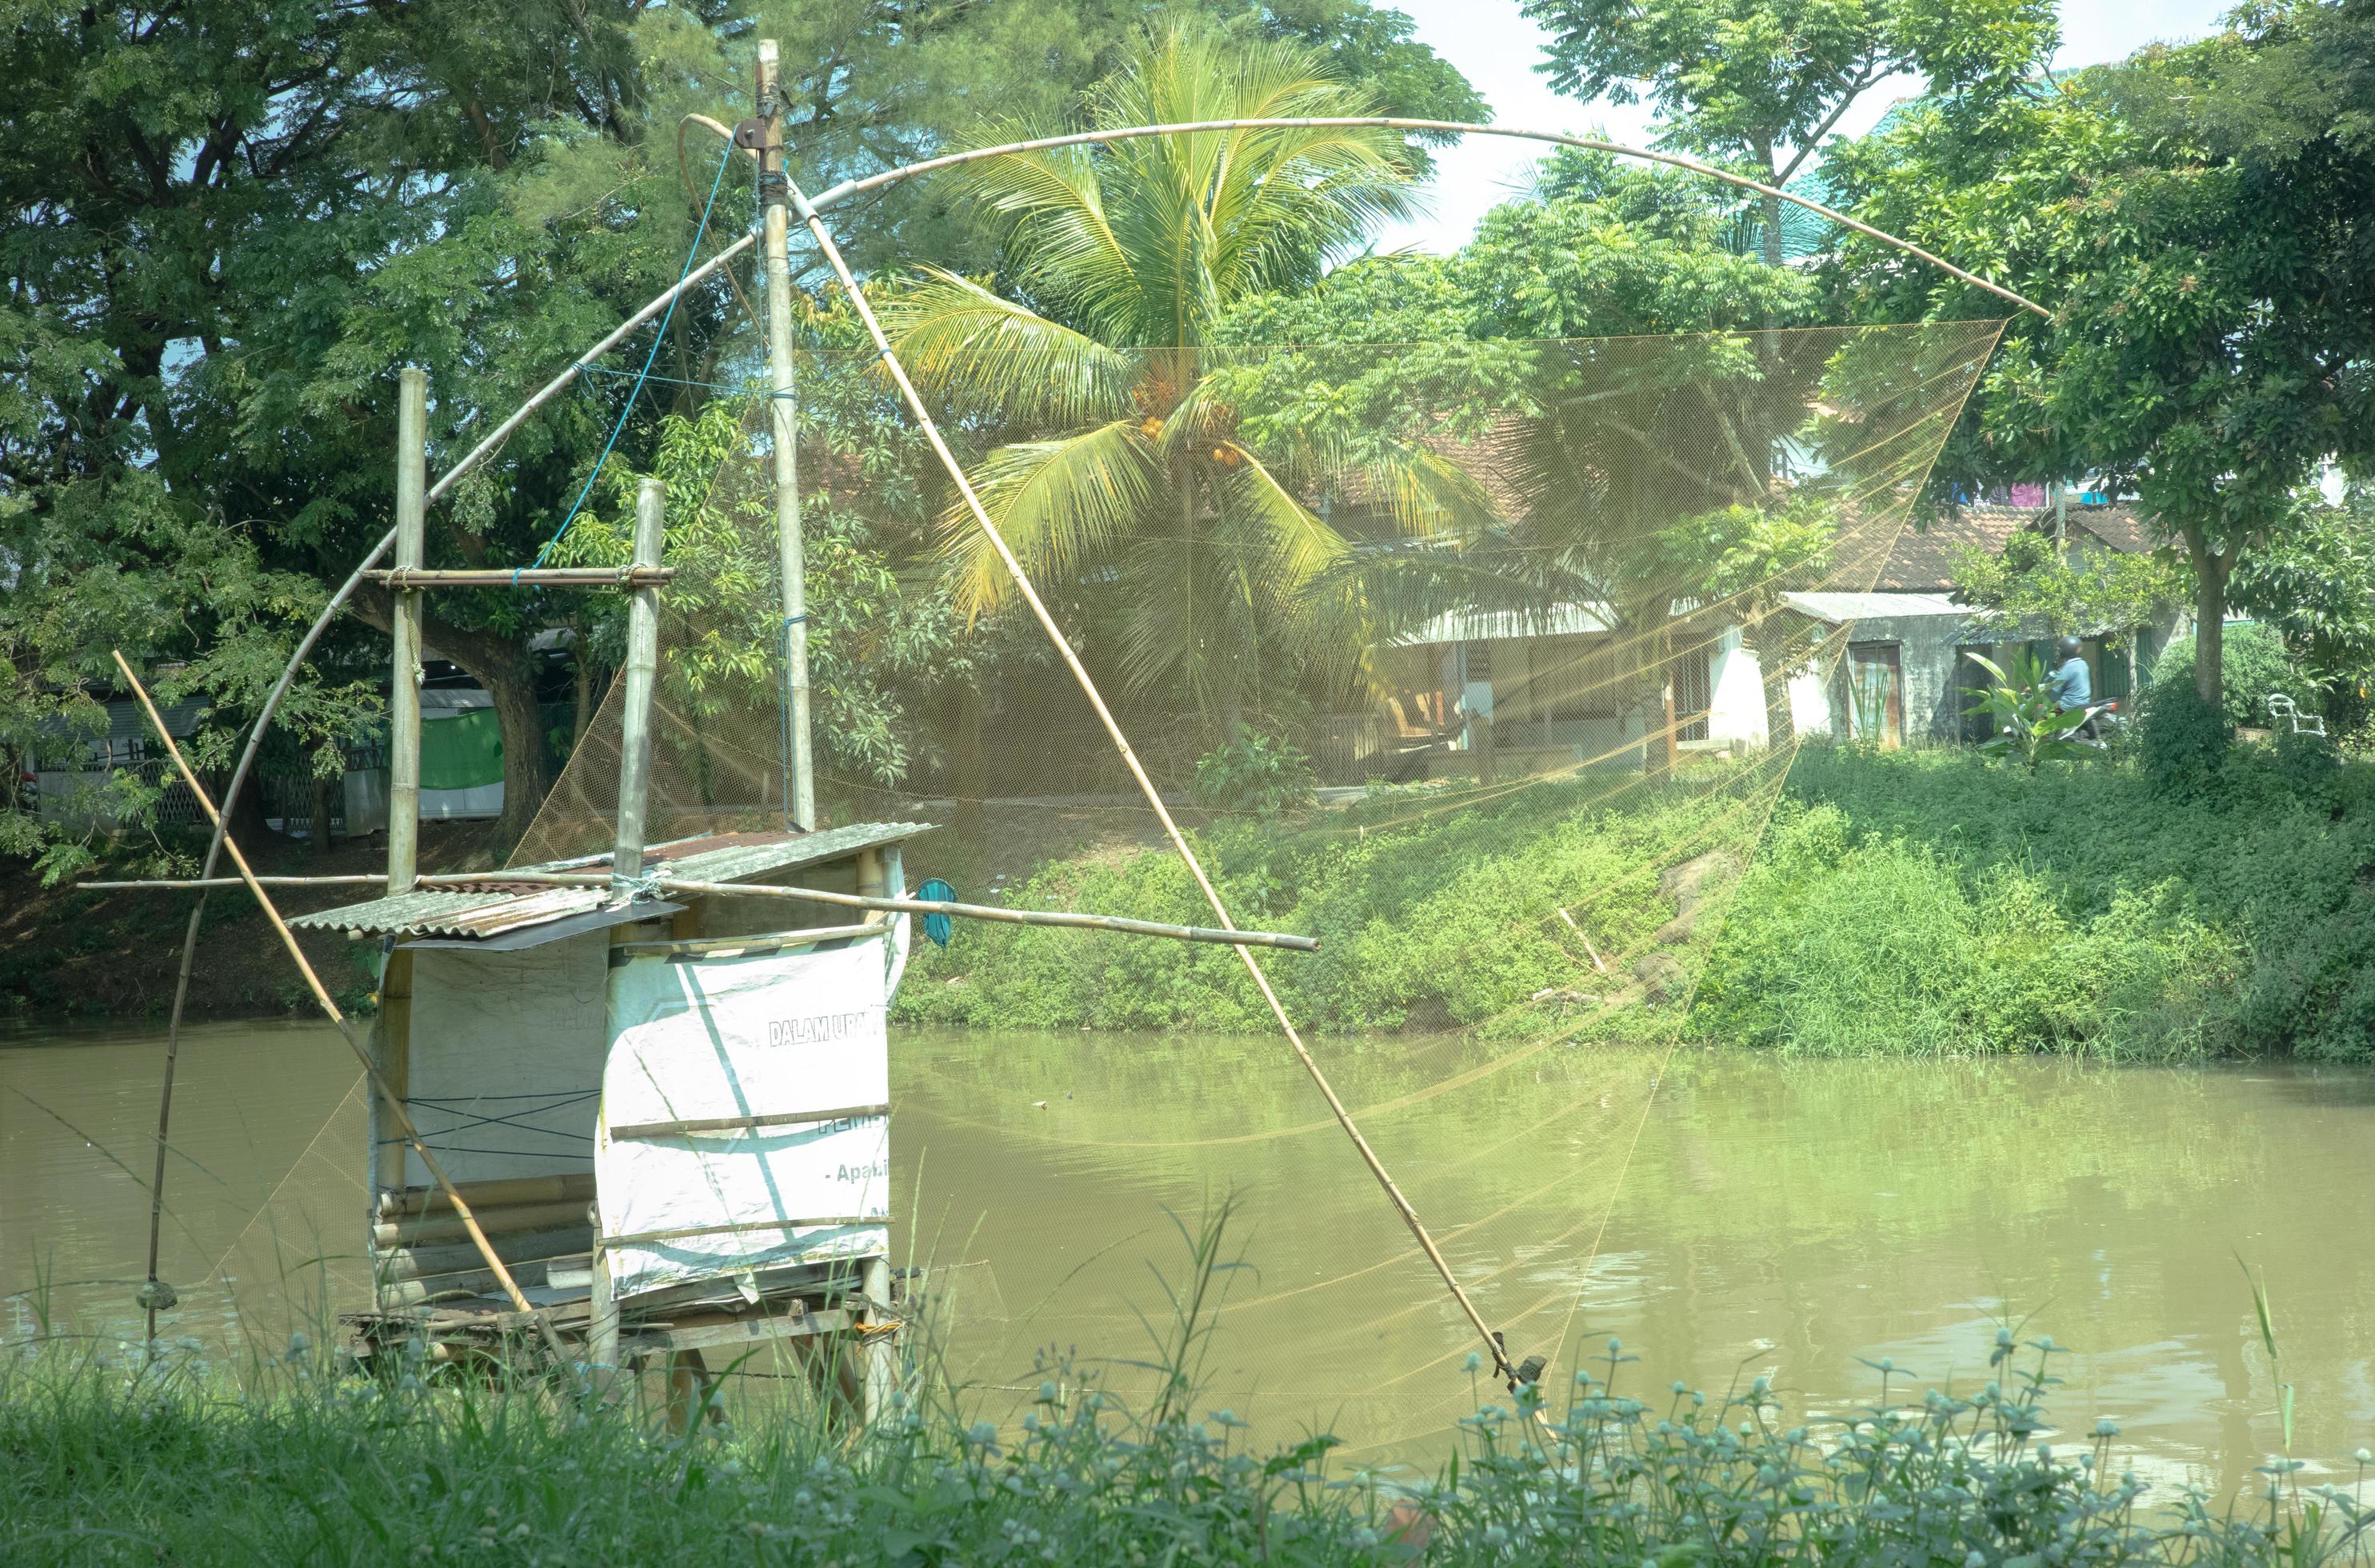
x=2070 y=685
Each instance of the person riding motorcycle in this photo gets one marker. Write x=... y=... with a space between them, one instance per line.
x=2071 y=685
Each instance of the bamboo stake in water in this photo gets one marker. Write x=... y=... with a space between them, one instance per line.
x=1063 y=648
x=313 y=982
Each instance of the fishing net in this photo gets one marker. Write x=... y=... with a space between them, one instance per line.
x=1484 y=662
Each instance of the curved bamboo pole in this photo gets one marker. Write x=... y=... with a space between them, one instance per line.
x=850 y=188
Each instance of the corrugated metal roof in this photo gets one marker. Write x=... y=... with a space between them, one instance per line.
x=1874 y=607
x=486 y=910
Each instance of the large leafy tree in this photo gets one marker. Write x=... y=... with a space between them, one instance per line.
x=1119 y=262
x=234 y=221
x=1756 y=84
x=2195 y=217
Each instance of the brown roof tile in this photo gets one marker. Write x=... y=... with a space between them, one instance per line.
x=1923 y=560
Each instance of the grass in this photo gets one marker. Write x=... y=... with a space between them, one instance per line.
x=1910 y=903
x=1432 y=914
x=141 y=1459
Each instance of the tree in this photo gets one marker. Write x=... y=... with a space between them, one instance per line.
x=1119 y=261
x=2193 y=216
x=2076 y=592
x=1585 y=351
x=1754 y=84
x=235 y=221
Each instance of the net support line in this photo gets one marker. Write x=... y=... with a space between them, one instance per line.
x=831 y=253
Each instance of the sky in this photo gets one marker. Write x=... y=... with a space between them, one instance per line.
x=1496 y=49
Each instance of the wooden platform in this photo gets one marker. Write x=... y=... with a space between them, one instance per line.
x=845 y=1316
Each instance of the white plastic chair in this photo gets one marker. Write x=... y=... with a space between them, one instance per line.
x=2281 y=707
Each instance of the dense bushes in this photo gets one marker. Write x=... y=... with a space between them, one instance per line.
x=1916 y=901
x=2254 y=663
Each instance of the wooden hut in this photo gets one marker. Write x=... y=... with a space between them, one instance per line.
x=670 y=1115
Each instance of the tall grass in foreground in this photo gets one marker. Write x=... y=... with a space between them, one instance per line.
x=142 y=1459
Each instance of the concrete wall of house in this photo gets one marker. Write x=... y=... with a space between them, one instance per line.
x=1736 y=694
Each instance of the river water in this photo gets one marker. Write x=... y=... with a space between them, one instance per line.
x=1725 y=1214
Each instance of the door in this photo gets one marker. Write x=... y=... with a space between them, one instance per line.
x=1877 y=689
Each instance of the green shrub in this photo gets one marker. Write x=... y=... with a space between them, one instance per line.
x=2181 y=739
x=1253 y=771
x=2253 y=662
x=1887 y=947
x=2312 y=768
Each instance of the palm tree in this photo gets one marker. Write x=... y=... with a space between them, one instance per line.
x=1121 y=453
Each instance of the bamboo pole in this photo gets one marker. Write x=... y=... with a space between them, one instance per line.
x=642 y=669
x=404 y=624
x=203 y=883
x=1071 y=658
x=1228 y=936
x=783 y=403
x=837 y=194
x=313 y=982
x=402 y=577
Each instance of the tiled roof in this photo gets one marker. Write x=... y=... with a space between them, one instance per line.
x=1923 y=560
x=486 y=910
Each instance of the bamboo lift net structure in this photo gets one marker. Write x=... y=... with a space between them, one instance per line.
x=1298 y=636
x=1583 y=613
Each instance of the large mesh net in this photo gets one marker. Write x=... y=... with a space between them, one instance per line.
x=1484 y=662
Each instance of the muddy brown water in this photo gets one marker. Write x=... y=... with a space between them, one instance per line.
x=1742 y=1216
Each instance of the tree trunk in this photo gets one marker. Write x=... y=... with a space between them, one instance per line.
x=2210 y=571
x=325 y=795
x=497 y=663
x=969 y=764
x=582 y=666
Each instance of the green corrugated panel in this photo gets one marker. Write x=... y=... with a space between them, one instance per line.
x=463 y=751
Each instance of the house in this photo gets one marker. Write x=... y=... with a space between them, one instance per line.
x=1510 y=693
x=1903 y=673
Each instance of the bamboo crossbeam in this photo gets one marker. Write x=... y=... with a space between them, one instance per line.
x=200 y=883
x=746 y=1123
x=1233 y=939
x=314 y=982
x=526 y=577
x=500 y=1193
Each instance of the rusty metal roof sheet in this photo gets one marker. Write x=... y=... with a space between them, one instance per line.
x=489 y=909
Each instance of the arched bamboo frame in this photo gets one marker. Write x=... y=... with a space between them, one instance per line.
x=822 y=202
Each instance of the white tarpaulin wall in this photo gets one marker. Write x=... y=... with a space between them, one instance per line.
x=791 y=1045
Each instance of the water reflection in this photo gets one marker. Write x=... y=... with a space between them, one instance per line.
x=1747 y=1217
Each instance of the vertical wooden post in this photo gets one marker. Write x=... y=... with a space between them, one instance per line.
x=783 y=405
x=879 y=1351
x=602 y=1333
x=404 y=693
x=636 y=710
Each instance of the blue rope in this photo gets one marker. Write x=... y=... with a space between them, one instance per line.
x=641 y=376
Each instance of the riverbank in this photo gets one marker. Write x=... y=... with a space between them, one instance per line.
x=69 y=953
x=1919 y=903
x=1915 y=903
